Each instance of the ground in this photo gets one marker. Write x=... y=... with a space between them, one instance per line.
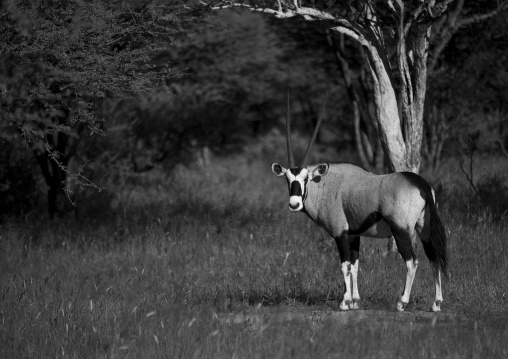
x=197 y=267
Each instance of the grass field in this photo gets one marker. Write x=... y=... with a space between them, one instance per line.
x=159 y=274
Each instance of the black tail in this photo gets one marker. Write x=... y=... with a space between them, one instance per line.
x=437 y=251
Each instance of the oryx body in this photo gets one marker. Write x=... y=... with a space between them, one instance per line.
x=349 y=201
x=353 y=200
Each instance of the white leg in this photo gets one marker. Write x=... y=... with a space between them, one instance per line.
x=354 y=277
x=411 y=271
x=436 y=307
x=346 y=271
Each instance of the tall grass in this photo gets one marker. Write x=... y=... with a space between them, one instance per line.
x=154 y=271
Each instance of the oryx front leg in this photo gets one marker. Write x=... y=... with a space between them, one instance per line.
x=355 y=253
x=346 y=272
x=345 y=258
x=354 y=277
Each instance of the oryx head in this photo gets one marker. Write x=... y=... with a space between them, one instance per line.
x=298 y=177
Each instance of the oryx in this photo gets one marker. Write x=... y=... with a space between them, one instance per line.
x=349 y=201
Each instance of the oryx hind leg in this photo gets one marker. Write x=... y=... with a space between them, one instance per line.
x=436 y=306
x=423 y=230
x=405 y=238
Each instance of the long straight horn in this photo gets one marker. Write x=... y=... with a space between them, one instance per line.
x=316 y=130
x=291 y=158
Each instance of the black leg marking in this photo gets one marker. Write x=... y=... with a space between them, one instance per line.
x=404 y=244
x=354 y=247
x=343 y=246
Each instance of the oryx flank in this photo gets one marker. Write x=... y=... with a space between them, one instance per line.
x=349 y=201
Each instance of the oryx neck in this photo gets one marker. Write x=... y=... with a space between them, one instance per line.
x=312 y=194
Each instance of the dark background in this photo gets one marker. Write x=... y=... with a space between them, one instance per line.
x=97 y=95
x=139 y=216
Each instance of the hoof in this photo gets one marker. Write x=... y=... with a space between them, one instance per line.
x=436 y=307
x=354 y=304
x=344 y=305
x=400 y=306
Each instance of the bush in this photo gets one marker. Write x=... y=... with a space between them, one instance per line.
x=18 y=186
x=493 y=196
x=490 y=202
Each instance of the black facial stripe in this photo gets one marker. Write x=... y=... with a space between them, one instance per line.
x=296 y=189
x=295 y=171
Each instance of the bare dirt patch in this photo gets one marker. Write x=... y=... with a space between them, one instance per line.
x=350 y=318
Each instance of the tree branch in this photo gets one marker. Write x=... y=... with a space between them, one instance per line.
x=480 y=17
x=436 y=10
x=355 y=35
x=446 y=32
x=453 y=24
x=306 y=12
x=469 y=176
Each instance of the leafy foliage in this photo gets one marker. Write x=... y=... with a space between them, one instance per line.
x=59 y=60
x=238 y=67
x=469 y=86
x=63 y=58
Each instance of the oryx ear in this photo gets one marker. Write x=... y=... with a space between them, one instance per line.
x=278 y=170
x=319 y=171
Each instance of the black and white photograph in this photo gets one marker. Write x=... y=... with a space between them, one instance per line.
x=254 y=179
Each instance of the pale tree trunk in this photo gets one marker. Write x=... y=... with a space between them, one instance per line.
x=414 y=85
x=389 y=120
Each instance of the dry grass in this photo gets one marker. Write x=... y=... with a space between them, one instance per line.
x=153 y=277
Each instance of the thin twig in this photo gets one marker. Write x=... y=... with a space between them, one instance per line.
x=470 y=176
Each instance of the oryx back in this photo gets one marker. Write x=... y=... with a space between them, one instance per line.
x=350 y=198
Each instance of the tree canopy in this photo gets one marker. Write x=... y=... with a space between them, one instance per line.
x=59 y=60
x=396 y=37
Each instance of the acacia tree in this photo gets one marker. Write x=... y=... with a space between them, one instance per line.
x=60 y=60
x=353 y=65
x=395 y=36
